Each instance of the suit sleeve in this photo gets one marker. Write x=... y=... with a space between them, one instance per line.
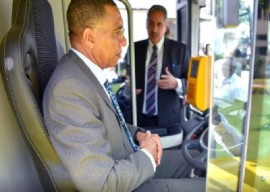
x=78 y=122
x=184 y=66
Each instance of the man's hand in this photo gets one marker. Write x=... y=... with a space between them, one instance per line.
x=127 y=89
x=151 y=143
x=138 y=91
x=167 y=81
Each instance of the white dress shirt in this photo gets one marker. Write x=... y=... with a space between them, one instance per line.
x=160 y=47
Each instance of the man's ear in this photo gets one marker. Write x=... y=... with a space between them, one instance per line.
x=88 y=37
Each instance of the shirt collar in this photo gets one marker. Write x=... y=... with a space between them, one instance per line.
x=96 y=70
x=159 y=44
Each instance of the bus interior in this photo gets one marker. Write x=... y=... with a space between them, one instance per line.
x=227 y=122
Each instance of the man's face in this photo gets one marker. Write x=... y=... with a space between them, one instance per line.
x=156 y=26
x=109 y=39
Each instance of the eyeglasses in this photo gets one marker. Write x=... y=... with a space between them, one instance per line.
x=117 y=34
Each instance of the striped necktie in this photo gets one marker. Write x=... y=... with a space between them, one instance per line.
x=120 y=115
x=151 y=84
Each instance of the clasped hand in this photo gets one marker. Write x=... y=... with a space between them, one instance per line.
x=151 y=143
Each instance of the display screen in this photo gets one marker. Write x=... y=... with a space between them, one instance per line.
x=194 y=68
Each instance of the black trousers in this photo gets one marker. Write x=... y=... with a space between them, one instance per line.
x=173 y=175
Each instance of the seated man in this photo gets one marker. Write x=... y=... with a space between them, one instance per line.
x=83 y=118
x=232 y=87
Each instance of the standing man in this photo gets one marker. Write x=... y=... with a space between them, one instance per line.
x=170 y=69
x=83 y=119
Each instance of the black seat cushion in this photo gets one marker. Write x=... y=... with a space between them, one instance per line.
x=28 y=56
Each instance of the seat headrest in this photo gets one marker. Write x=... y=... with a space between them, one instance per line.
x=34 y=20
x=28 y=56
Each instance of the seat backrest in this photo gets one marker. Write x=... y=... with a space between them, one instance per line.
x=28 y=56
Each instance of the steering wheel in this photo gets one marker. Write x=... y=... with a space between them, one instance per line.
x=195 y=149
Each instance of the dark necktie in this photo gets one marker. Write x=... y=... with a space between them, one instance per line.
x=151 y=84
x=120 y=115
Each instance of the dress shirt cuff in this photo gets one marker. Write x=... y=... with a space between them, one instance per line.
x=151 y=158
x=179 y=88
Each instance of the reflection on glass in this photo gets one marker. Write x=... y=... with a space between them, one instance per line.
x=232 y=67
x=230 y=113
x=258 y=151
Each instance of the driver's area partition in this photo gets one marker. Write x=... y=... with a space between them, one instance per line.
x=198 y=97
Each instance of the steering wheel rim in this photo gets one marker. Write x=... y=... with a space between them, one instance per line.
x=190 y=145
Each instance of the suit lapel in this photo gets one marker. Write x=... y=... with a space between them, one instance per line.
x=165 y=60
x=144 y=51
x=140 y=64
x=89 y=74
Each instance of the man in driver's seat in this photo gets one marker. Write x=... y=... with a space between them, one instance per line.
x=84 y=122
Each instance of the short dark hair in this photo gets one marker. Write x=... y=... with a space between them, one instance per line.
x=86 y=13
x=155 y=8
x=237 y=53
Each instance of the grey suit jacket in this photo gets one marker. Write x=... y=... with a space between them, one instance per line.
x=85 y=131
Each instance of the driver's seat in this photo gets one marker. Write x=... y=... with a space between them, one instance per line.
x=28 y=55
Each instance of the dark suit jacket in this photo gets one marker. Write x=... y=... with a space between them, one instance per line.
x=176 y=58
x=85 y=131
